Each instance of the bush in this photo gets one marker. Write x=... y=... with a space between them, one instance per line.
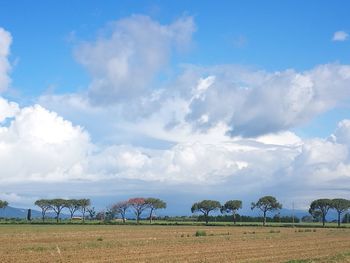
x=200 y=233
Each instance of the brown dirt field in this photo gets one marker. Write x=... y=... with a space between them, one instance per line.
x=116 y=243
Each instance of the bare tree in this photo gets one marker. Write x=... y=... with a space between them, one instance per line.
x=121 y=208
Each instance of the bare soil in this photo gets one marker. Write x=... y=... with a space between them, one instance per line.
x=145 y=243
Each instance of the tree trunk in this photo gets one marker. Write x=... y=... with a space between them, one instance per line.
x=43 y=216
x=137 y=217
x=206 y=218
x=323 y=220
x=83 y=212
x=234 y=218
x=264 y=223
x=123 y=217
x=339 y=218
x=150 y=216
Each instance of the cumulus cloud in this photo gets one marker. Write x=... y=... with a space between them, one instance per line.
x=39 y=145
x=5 y=67
x=340 y=36
x=255 y=103
x=217 y=127
x=123 y=62
x=7 y=109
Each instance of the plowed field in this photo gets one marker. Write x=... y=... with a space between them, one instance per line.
x=99 y=243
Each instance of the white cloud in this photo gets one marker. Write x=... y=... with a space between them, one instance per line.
x=342 y=133
x=5 y=67
x=254 y=103
x=39 y=145
x=216 y=127
x=124 y=62
x=7 y=109
x=340 y=36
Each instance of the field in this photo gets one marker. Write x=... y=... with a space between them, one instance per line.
x=146 y=243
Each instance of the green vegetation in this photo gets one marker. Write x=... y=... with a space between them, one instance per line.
x=205 y=207
x=200 y=233
x=267 y=204
x=232 y=206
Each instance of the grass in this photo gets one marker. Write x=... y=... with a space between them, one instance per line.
x=200 y=233
x=172 y=223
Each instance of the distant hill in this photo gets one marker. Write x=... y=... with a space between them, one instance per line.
x=13 y=212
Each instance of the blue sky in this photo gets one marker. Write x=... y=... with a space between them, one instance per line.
x=129 y=84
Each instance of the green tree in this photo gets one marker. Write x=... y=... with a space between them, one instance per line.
x=266 y=204
x=322 y=207
x=92 y=212
x=121 y=208
x=205 y=207
x=84 y=205
x=57 y=205
x=139 y=205
x=72 y=205
x=232 y=206
x=3 y=204
x=340 y=205
x=44 y=206
x=154 y=204
x=29 y=214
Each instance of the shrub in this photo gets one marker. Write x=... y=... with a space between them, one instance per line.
x=200 y=233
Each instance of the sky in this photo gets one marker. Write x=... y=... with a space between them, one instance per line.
x=178 y=100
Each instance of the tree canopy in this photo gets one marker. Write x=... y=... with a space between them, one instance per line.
x=232 y=206
x=138 y=205
x=205 y=207
x=154 y=204
x=266 y=204
x=340 y=205
x=321 y=206
x=3 y=204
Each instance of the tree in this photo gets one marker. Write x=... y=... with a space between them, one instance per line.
x=101 y=215
x=154 y=204
x=138 y=204
x=73 y=205
x=44 y=205
x=232 y=206
x=341 y=205
x=109 y=214
x=92 y=212
x=57 y=205
x=267 y=204
x=84 y=204
x=29 y=214
x=3 y=204
x=321 y=206
x=205 y=207
x=316 y=215
x=121 y=208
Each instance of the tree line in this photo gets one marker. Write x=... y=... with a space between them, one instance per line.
x=58 y=204
x=138 y=205
x=265 y=204
x=318 y=208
